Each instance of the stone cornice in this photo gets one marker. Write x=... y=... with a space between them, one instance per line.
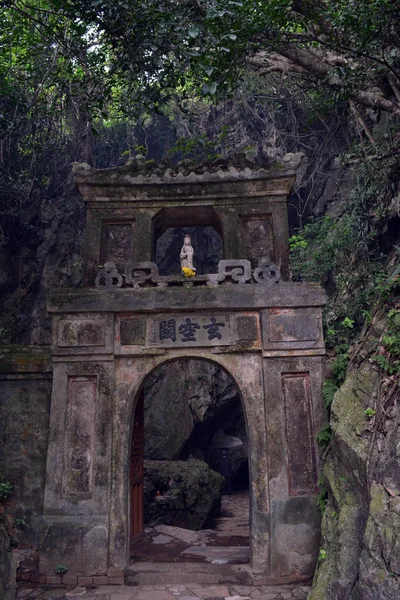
x=152 y=300
x=137 y=181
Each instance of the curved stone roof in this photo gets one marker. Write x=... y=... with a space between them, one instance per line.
x=140 y=171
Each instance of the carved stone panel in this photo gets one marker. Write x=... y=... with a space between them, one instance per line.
x=117 y=243
x=247 y=328
x=258 y=238
x=83 y=333
x=132 y=331
x=288 y=326
x=287 y=329
x=299 y=434
x=78 y=467
x=174 y=331
x=88 y=332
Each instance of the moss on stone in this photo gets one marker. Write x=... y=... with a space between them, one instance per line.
x=348 y=417
x=13 y=351
x=16 y=358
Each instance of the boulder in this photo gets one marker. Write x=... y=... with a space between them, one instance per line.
x=181 y=493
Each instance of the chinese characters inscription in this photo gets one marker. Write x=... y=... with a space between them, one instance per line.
x=193 y=330
x=168 y=330
x=188 y=330
x=213 y=329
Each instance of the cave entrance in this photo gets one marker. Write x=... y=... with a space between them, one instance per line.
x=189 y=472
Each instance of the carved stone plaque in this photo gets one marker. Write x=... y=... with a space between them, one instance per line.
x=258 y=238
x=79 y=435
x=299 y=434
x=173 y=331
x=285 y=326
x=117 y=243
x=85 y=332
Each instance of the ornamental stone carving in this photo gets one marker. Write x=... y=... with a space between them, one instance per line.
x=141 y=274
x=109 y=277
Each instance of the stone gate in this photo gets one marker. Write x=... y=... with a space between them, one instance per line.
x=248 y=317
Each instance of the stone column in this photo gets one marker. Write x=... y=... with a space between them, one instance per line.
x=292 y=406
x=75 y=525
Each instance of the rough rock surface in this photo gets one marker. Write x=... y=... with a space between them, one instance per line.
x=189 y=491
x=361 y=524
x=49 y=256
x=203 y=399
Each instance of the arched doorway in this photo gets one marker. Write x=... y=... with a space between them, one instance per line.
x=247 y=370
x=188 y=414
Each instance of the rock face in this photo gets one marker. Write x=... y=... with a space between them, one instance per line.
x=202 y=399
x=361 y=524
x=189 y=491
x=50 y=256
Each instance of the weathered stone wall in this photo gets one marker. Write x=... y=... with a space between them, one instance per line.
x=7 y=566
x=25 y=392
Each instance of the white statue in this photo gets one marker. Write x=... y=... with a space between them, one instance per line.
x=187 y=253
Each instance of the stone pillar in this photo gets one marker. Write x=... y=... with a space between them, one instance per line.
x=293 y=411
x=293 y=376
x=143 y=243
x=231 y=233
x=75 y=525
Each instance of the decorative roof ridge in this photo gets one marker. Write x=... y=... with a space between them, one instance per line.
x=140 y=171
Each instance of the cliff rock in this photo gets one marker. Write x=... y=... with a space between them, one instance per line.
x=361 y=523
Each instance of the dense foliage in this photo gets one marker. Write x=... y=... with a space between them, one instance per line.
x=91 y=80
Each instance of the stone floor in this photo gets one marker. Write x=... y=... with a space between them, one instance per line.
x=163 y=543
x=169 y=592
x=223 y=545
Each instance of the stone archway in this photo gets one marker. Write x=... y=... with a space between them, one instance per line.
x=155 y=410
x=247 y=373
x=264 y=330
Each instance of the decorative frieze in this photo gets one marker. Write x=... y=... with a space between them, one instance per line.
x=146 y=274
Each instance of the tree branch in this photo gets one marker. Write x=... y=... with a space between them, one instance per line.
x=301 y=59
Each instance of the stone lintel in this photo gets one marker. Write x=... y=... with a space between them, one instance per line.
x=153 y=300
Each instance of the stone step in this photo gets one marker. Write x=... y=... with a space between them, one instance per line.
x=147 y=573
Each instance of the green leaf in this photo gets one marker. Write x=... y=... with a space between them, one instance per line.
x=194 y=31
